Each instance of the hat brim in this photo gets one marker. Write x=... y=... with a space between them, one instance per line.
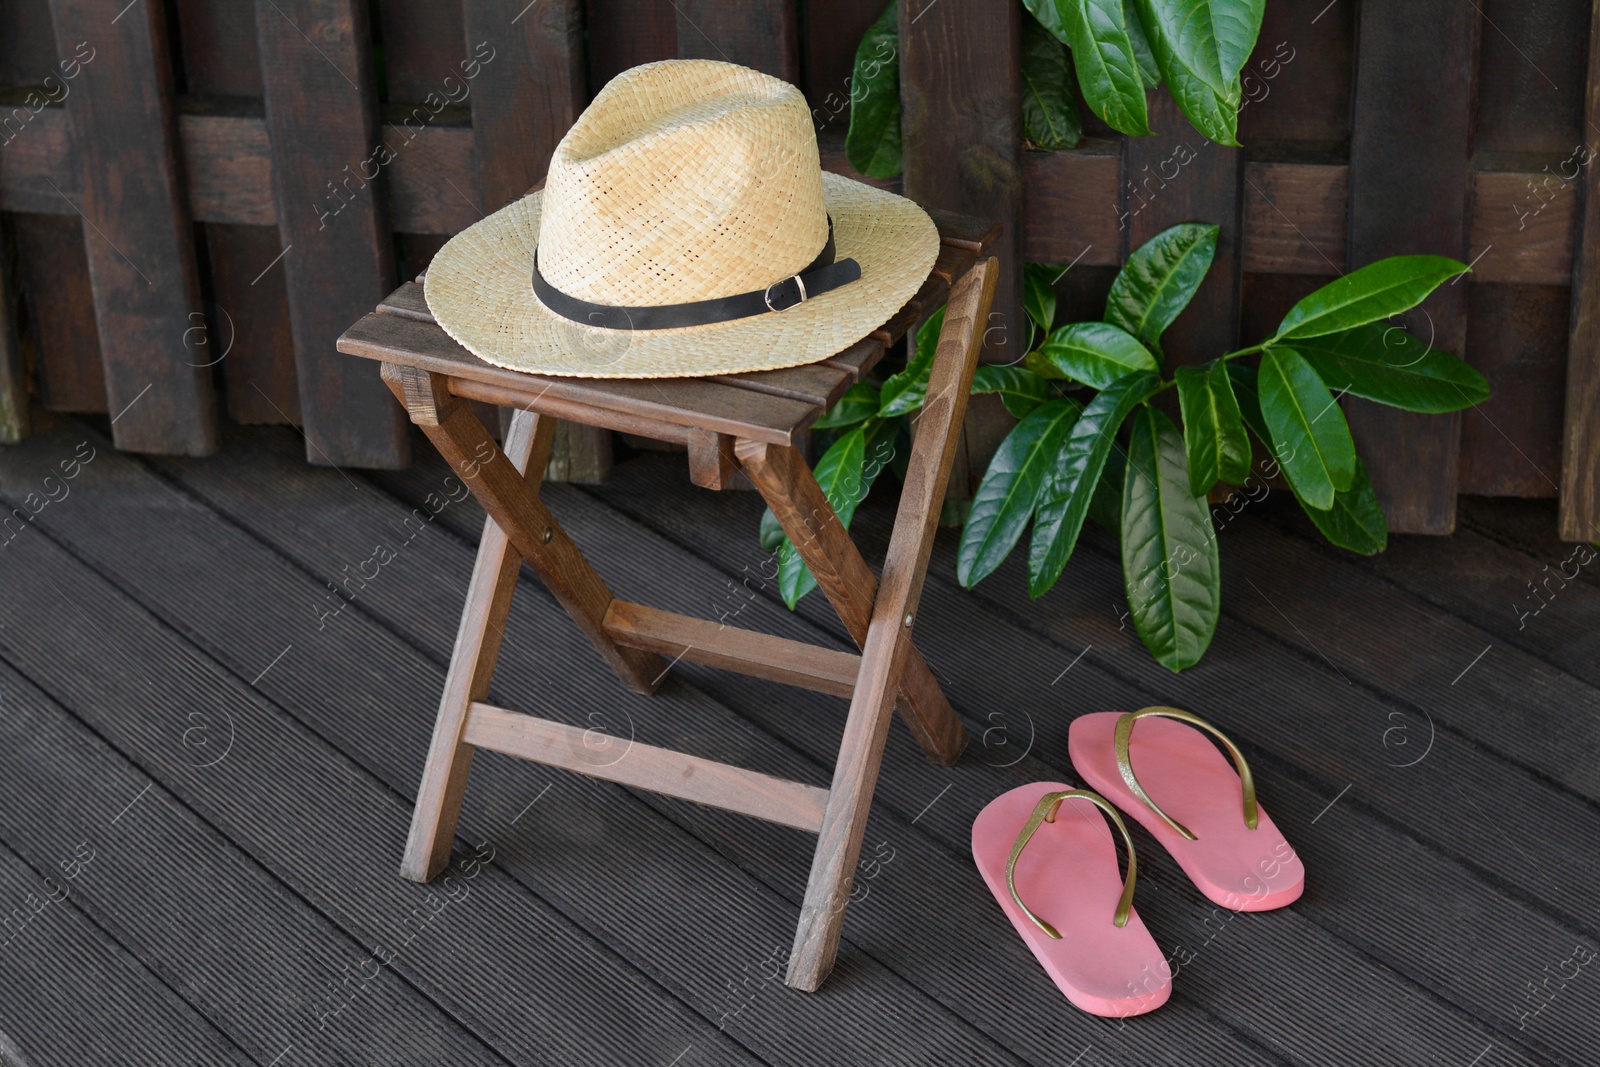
x=479 y=290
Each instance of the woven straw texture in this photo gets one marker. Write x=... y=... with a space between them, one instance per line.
x=683 y=180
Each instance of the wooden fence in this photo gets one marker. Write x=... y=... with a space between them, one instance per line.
x=199 y=195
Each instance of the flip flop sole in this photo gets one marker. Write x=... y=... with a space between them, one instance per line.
x=1189 y=777
x=1068 y=875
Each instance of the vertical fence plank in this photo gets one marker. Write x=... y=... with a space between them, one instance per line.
x=1203 y=187
x=1580 y=461
x=13 y=379
x=527 y=96
x=422 y=45
x=139 y=240
x=961 y=134
x=338 y=254
x=764 y=34
x=626 y=33
x=249 y=313
x=1410 y=193
x=523 y=100
x=830 y=32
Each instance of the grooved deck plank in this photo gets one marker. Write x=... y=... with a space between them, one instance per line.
x=157 y=868
x=684 y=919
x=87 y=999
x=1025 y=648
x=958 y=974
x=307 y=813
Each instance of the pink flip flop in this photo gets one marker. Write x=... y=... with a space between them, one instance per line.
x=1078 y=920
x=1191 y=801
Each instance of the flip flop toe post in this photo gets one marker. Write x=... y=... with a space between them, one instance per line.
x=1051 y=862
x=1159 y=766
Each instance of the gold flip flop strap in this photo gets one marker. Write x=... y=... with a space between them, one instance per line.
x=1125 y=734
x=1045 y=811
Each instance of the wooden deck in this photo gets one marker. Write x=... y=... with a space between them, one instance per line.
x=219 y=678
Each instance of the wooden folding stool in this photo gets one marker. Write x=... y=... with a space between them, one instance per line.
x=748 y=422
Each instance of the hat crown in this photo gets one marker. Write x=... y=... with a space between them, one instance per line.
x=683 y=180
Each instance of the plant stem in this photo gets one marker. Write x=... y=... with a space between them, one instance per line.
x=1262 y=347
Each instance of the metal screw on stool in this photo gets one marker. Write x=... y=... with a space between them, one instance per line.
x=548 y=533
x=908 y=618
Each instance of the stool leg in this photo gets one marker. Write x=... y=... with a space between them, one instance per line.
x=886 y=653
x=844 y=822
x=478 y=639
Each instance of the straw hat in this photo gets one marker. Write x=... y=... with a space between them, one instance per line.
x=685 y=228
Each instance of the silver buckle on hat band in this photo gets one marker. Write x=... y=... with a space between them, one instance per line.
x=799 y=284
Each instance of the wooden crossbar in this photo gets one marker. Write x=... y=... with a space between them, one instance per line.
x=660 y=770
x=729 y=648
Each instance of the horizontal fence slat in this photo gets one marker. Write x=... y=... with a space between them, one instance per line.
x=338 y=252
x=1070 y=198
x=139 y=243
x=1073 y=204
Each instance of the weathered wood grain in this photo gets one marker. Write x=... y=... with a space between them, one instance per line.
x=338 y=254
x=138 y=237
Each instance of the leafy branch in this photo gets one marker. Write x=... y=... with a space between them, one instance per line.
x=1065 y=461
x=1119 y=49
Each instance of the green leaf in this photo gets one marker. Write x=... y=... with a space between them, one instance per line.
x=1141 y=44
x=1212 y=39
x=1020 y=389
x=1106 y=506
x=872 y=144
x=1160 y=279
x=1213 y=430
x=904 y=393
x=1214 y=113
x=1049 y=105
x=1215 y=116
x=1041 y=366
x=1370 y=294
x=772 y=535
x=1243 y=380
x=1169 y=548
x=1039 y=296
x=839 y=473
x=1064 y=505
x=1096 y=353
x=1108 y=68
x=1309 y=435
x=856 y=406
x=1005 y=499
x=1356 y=519
x=1390 y=366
